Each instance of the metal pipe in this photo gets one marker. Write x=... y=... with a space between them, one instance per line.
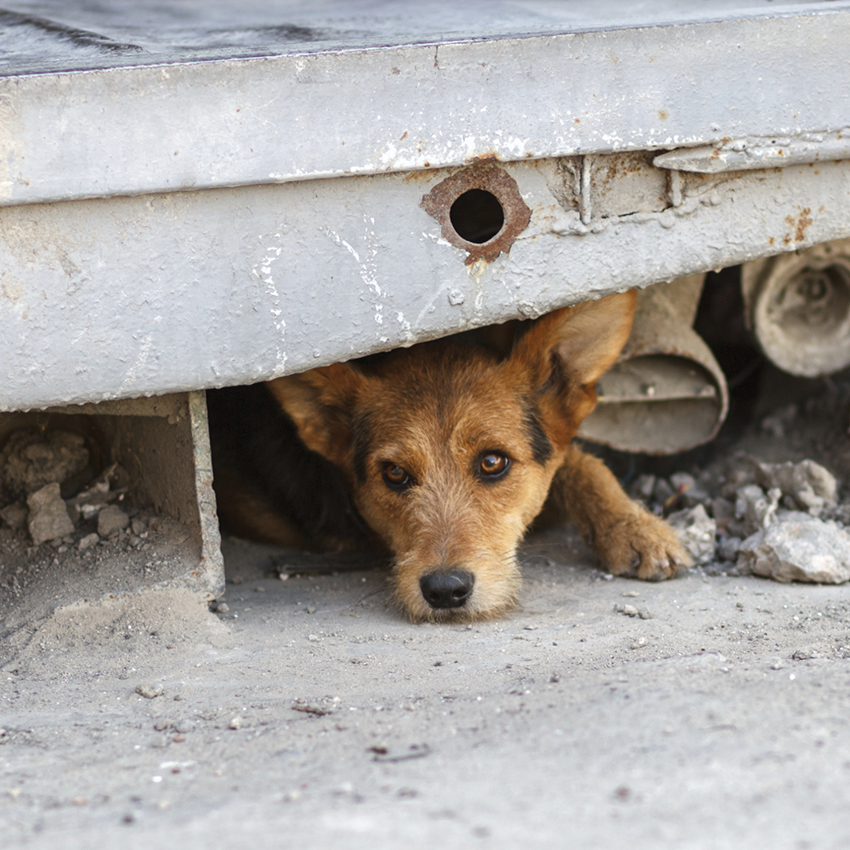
x=666 y=393
x=798 y=304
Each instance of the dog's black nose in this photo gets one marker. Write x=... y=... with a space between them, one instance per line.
x=447 y=588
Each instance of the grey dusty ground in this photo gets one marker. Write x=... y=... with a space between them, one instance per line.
x=711 y=711
x=311 y=715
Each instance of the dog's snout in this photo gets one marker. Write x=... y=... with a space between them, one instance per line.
x=447 y=588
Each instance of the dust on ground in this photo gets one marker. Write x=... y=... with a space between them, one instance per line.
x=709 y=711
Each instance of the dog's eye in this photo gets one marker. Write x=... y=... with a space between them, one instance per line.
x=493 y=464
x=395 y=477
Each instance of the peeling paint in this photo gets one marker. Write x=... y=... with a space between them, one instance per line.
x=263 y=270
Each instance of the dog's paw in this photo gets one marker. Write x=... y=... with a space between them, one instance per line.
x=641 y=545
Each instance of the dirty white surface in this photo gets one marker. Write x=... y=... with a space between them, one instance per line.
x=710 y=711
x=722 y=721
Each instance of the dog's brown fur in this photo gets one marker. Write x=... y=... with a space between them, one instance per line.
x=444 y=415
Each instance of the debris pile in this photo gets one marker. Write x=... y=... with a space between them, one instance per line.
x=48 y=488
x=777 y=520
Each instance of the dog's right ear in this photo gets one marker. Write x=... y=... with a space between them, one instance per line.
x=579 y=342
x=565 y=352
x=320 y=403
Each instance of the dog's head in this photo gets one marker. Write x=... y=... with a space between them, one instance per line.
x=450 y=450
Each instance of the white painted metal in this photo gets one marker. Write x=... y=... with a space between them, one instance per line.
x=749 y=154
x=329 y=122
x=144 y=295
x=226 y=94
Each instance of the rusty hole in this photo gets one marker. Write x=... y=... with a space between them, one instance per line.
x=477 y=216
x=479 y=209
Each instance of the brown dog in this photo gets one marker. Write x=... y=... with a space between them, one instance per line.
x=445 y=453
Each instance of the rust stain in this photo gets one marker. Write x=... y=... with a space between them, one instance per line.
x=663 y=114
x=403 y=136
x=771 y=241
x=803 y=223
x=490 y=156
x=798 y=226
x=490 y=178
x=418 y=176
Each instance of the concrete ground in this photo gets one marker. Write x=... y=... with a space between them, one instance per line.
x=311 y=714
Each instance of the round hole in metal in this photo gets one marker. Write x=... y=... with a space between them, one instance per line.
x=477 y=216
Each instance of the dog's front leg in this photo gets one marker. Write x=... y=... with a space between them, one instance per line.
x=630 y=540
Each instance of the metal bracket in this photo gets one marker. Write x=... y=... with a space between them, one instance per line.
x=759 y=152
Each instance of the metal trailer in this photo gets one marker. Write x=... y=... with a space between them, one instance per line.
x=200 y=194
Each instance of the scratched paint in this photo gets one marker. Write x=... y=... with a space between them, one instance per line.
x=346 y=267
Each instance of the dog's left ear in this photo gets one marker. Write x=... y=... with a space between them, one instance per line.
x=570 y=349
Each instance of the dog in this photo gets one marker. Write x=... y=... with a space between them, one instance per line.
x=444 y=454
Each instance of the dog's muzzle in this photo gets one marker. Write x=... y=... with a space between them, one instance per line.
x=447 y=588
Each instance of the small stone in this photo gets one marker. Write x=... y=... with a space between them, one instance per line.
x=88 y=541
x=235 y=723
x=149 y=691
x=640 y=643
x=755 y=508
x=804 y=654
x=643 y=487
x=696 y=531
x=798 y=547
x=681 y=482
x=645 y=614
x=808 y=483
x=728 y=548
x=138 y=526
x=776 y=423
x=662 y=491
x=184 y=726
x=219 y=608
x=722 y=509
x=15 y=515
x=48 y=516
x=111 y=520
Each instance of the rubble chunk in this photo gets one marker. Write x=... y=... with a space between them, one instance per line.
x=798 y=547
x=722 y=509
x=728 y=548
x=48 y=516
x=696 y=531
x=15 y=515
x=643 y=487
x=808 y=483
x=31 y=459
x=110 y=520
x=755 y=508
x=88 y=541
